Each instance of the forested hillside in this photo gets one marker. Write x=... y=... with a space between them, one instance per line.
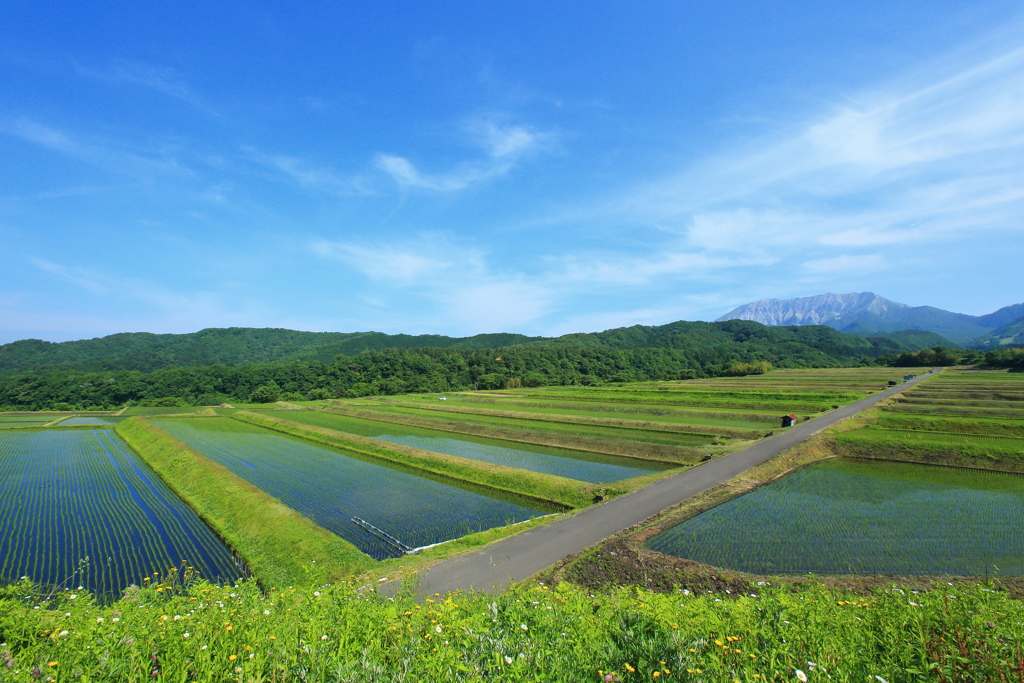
x=146 y=352
x=676 y=351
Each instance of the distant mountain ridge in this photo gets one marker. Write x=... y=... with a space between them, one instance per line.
x=867 y=314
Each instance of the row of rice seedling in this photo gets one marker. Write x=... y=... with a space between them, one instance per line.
x=589 y=467
x=750 y=400
x=978 y=394
x=670 y=416
x=534 y=436
x=666 y=437
x=332 y=488
x=955 y=410
x=78 y=506
x=959 y=402
x=79 y=420
x=150 y=410
x=964 y=425
x=582 y=418
x=853 y=516
x=935 y=443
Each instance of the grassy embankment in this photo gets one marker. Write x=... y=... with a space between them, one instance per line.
x=279 y=545
x=544 y=488
x=536 y=633
x=674 y=455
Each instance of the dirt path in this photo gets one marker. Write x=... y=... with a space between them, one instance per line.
x=521 y=556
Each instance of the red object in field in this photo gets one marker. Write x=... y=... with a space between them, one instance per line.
x=788 y=420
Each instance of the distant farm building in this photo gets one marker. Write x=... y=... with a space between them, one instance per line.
x=788 y=420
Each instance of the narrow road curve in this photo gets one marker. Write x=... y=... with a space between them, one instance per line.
x=521 y=556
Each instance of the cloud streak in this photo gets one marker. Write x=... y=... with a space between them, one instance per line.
x=162 y=79
x=504 y=145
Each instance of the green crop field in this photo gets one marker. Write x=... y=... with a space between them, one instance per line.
x=90 y=420
x=752 y=399
x=331 y=488
x=646 y=436
x=159 y=411
x=959 y=424
x=78 y=507
x=1011 y=444
x=852 y=516
x=670 y=416
x=589 y=467
x=938 y=420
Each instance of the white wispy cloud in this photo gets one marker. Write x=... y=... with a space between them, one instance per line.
x=413 y=262
x=74 y=275
x=308 y=174
x=934 y=157
x=113 y=156
x=163 y=79
x=505 y=145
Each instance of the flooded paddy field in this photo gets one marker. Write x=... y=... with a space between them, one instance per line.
x=78 y=507
x=579 y=465
x=864 y=517
x=332 y=488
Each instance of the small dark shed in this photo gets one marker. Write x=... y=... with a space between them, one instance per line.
x=908 y=377
x=788 y=420
x=893 y=383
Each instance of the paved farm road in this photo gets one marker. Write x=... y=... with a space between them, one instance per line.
x=521 y=556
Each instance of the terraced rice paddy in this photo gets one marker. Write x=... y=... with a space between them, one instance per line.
x=331 y=488
x=960 y=412
x=8 y=421
x=148 y=410
x=68 y=495
x=589 y=467
x=90 y=420
x=645 y=436
x=721 y=418
x=852 y=516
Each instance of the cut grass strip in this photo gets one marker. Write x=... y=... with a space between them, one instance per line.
x=278 y=544
x=672 y=455
x=543 y=488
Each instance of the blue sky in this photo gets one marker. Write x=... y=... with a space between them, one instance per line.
x=531 y=167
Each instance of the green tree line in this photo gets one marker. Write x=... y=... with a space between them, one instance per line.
x=393 y=371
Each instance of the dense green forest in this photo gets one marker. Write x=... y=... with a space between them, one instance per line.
x=676 y=351
x=1012 y=358
x=147 y=352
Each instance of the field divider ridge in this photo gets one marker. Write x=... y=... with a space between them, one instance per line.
x=638 y=450
x=544 y=488
x=618 y=423
x=278 y=544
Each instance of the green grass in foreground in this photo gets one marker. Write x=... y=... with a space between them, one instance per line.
x=339 y=633
x=276 y=542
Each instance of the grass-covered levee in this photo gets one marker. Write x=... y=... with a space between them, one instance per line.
x=174 y=630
